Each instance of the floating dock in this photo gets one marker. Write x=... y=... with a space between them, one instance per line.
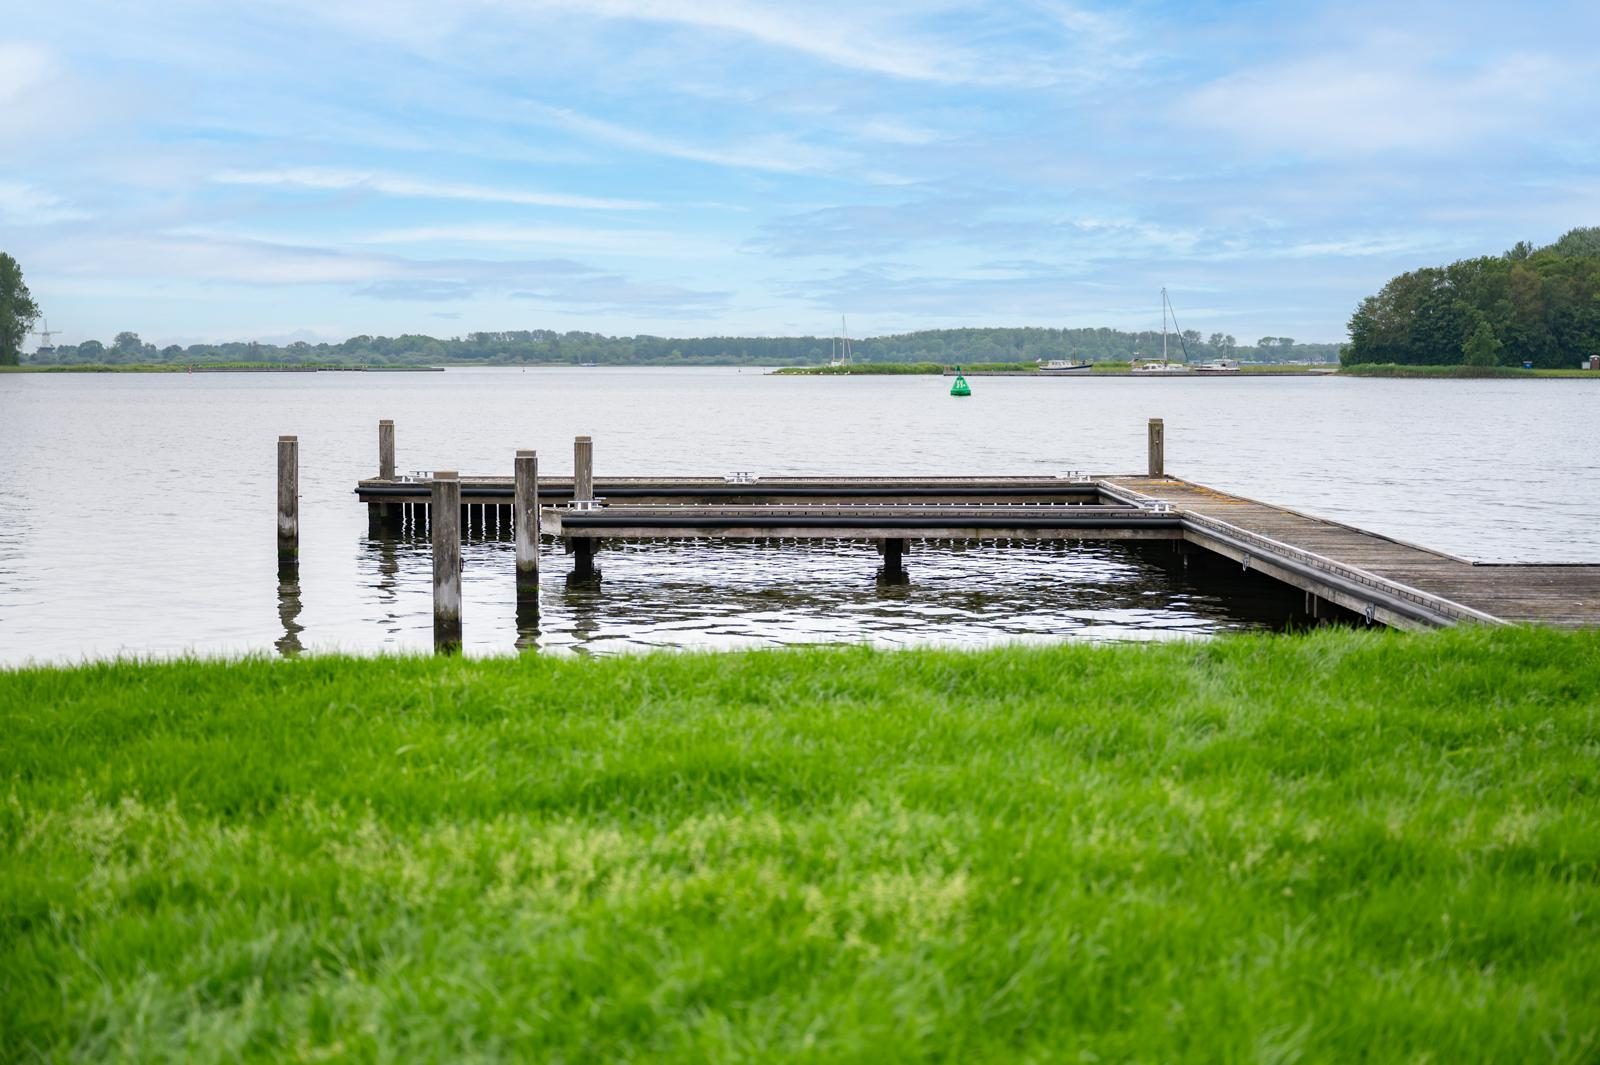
x=1346 y=574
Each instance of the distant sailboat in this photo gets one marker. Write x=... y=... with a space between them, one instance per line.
x=1151 y=366
x=841 y=346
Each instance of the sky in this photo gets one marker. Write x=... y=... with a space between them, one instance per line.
x=316 y=169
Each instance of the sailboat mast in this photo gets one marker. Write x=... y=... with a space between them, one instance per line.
x=1163 y=326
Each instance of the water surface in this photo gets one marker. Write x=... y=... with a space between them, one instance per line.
x=137 y=510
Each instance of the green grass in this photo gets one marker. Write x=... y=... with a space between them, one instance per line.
x=1344 y=846
x=1387 y=369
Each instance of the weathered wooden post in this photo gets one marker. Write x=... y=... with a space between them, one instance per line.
x=386 y=449
x=1157 y=440
x=582 y=469
x=382 y=515
x=446 y=523
x=288 y=501
x=526 y=523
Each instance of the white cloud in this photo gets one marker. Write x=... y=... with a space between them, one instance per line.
x=23 y=67
x=650 y=242
x=838 y=37
x=773 y=152
x=1379 y=99
x=24 y=205
x=400 y=185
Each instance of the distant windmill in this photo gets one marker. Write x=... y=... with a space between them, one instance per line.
x=45 y=334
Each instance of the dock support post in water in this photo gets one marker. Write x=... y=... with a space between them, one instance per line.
x=1157 y=439
x=894 y=570
x=526 y=523
x=583 y=568
x=446 y=523
x=288 y=501
x=582 y=469
x=383 y=516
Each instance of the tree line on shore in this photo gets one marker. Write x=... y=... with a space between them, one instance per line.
x=548 y=346
x=1529 y=305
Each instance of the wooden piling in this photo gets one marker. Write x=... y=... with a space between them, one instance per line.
x=288 y=500
x=1157 y=440
x=583 y=568
x=582 y=469
x=526 y=525
x=386 y=449
x=894 y=571
x=446 y=523
x=382 y=515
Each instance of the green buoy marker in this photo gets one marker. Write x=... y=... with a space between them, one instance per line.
x=960 y=387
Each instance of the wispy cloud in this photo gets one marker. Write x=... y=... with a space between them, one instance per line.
x=841 y=37
x=1387 y=97
x=641 y=242
x=24 y=205
x=386 y=184
x=777 y=152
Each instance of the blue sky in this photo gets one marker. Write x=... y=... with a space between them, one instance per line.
x=312 y=170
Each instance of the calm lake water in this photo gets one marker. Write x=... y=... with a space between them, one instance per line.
x=136 y=511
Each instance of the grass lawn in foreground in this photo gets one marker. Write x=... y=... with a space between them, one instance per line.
x=1342 y=846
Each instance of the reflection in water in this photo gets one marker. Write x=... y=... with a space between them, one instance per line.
x=527 y=623
x=289 y=608
x=709 y=595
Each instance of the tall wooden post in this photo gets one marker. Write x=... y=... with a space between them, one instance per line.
x=446 y=523
x=582 y=469
x=1157 y=440
x=526 y=523
x=383 y=516
x=386 y=449
x=288 y=500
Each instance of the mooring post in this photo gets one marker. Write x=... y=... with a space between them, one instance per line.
x=526 y=524
x=446 y=523
x=386 y=449
x=1158 y=448
x=582 y=469
x=894 y=571
x=583 y=568
x=382 y=515
x=288 y=500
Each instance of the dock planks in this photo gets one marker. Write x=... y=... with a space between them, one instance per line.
x=1561 y=595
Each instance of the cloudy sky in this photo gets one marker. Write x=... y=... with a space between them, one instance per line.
x=312 y=170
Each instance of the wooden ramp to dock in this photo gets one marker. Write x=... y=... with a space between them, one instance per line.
x=1386 y=579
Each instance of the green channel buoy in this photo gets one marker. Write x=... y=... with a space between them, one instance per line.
x=960 y=387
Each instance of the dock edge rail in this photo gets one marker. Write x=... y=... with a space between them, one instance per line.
x=1399 y=599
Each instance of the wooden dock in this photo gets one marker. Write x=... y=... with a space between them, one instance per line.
x=1346 y=574
x=1286 y=543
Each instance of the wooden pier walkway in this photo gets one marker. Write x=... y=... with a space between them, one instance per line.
x=1345 y=573
x=1270 y=536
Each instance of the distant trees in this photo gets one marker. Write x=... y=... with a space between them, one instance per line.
x=1537 y=305
x=18 y=312
x=1481 y=348
x=548 y=346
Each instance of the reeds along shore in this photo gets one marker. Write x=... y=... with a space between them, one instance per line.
x=1341 y=846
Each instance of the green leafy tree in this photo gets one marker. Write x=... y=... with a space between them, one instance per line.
x=1481 y=348
x=18 y=312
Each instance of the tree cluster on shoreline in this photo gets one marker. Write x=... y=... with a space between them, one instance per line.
x=543 y=346
x=1529 y=305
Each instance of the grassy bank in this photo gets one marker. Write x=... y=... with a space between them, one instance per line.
x=1393 y=370
x=1345 y=846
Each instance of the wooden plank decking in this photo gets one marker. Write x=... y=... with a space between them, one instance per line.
x=1567 y=596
